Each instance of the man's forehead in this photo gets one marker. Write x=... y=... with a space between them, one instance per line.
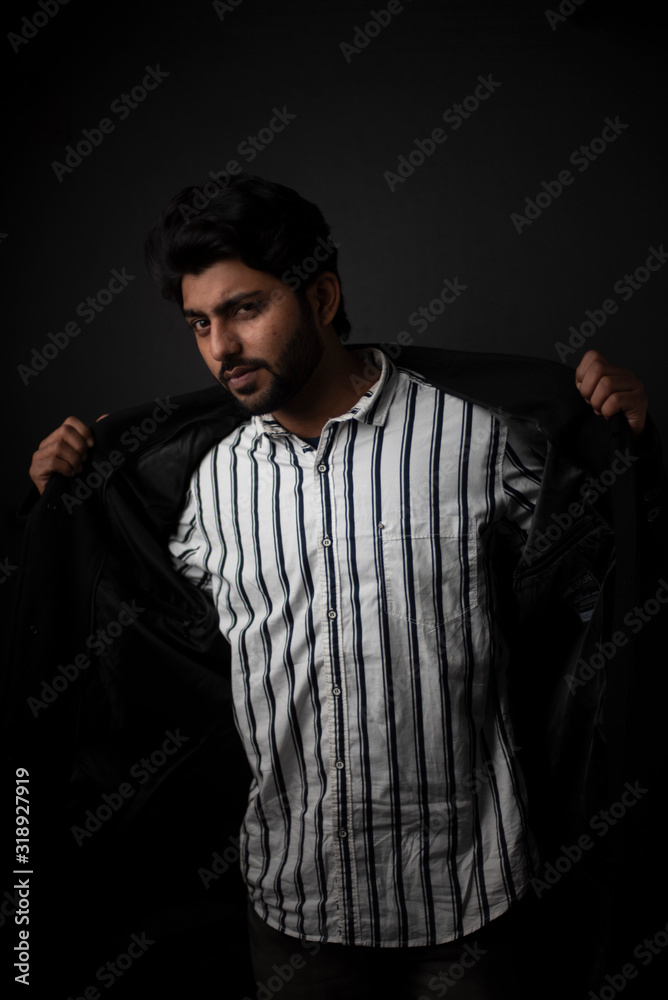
x=224 y=282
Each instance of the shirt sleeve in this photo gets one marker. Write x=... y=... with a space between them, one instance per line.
x=188 y=545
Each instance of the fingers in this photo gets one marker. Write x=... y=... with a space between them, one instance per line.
x=589 y=371
x=45 y=465
x=73 y=430
x=64 y=452
x=610 y=389
x=607 y=395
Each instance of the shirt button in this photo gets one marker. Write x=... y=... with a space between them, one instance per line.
x=336 y=691
x=331 y=614
x=327 y=541
x=322 y=468
x=343 y=833
x=381 y=525
x=339 y=765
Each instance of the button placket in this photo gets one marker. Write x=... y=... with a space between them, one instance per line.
x=326 y=509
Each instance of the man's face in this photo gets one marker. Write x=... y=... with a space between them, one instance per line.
x=257 y=339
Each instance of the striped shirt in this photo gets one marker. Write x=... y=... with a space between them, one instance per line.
x=354 y=584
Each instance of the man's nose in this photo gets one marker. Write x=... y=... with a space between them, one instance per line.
x=223 y=341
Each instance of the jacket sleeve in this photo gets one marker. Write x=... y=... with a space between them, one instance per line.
x=521 y=478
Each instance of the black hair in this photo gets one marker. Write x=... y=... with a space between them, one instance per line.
x=265 y=225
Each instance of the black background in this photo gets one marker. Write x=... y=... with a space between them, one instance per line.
x=451 y=218
x=353 y=120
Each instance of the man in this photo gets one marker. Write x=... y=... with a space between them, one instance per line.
x=357 y=528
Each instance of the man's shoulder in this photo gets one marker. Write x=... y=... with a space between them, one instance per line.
x=535 y=395
x=147 y=453
x=506 y=382
x=203 y=414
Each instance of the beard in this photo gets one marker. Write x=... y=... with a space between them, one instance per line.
x=294 y=367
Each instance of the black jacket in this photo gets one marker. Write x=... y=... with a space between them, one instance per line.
x=113 y=653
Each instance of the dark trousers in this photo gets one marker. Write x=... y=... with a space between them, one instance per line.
x=476 y=967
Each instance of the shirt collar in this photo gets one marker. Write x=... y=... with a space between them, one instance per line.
x=371 y=408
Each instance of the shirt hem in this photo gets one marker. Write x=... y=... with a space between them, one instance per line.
x=495 y=912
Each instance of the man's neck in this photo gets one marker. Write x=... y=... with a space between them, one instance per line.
x=339 y=381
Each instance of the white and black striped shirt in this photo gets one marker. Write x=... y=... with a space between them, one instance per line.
x=353 y=582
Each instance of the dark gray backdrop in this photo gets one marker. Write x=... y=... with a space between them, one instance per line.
x=356 y=113
x=355 y=116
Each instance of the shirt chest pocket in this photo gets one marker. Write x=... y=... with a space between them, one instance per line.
x=426 y=578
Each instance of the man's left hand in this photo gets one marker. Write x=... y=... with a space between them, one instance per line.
x=610 y=389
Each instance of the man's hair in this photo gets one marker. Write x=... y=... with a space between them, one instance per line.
x=265 y=225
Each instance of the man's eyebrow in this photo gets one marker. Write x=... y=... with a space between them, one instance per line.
x=225 y=305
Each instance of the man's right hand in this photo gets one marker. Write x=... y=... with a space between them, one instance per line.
x=64 y=451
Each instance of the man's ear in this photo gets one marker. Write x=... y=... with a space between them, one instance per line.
x=325 y=295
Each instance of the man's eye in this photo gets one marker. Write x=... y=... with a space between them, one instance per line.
x=249 y=309
x=196 y=325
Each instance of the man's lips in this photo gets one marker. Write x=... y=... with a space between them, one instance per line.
x=239 y=375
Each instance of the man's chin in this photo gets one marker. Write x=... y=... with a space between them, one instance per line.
x=249 y=399
x=256 y=402
x=251 y=405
